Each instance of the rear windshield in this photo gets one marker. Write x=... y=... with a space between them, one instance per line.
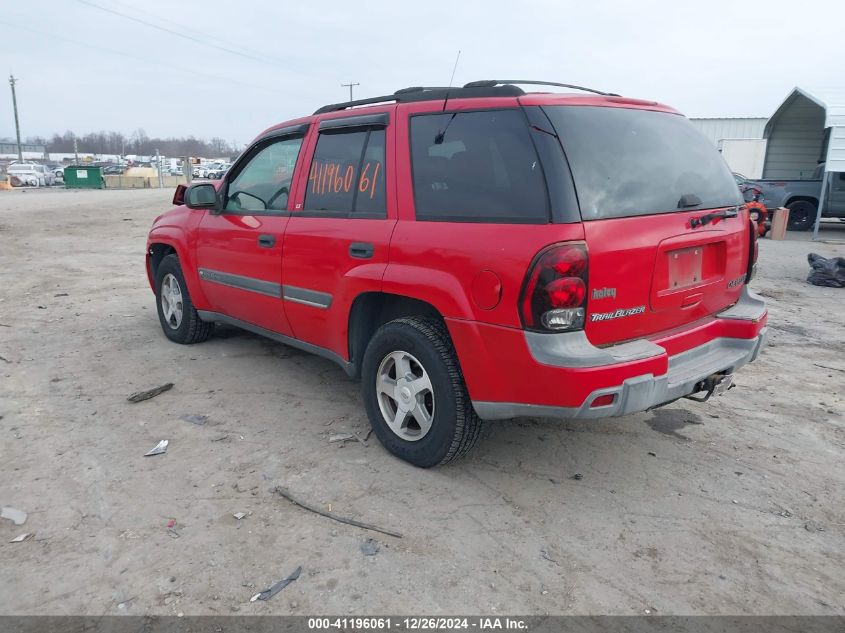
x=640 y=162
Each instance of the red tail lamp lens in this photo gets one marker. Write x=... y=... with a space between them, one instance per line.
x=568 y=262
x=568 y=292
x=555 y=291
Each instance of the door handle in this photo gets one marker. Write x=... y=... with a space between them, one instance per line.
x=361 y=250
x=266 y=241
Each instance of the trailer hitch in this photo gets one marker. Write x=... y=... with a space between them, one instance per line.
x=713 y=385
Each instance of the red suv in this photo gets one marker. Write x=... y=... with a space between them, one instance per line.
x=476 y=253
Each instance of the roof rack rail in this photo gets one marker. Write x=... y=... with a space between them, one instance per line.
x=489 y=83
x=427 y=93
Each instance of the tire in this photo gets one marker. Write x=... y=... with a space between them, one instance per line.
x=183 y=327
x=802 y=215
x=453 y=425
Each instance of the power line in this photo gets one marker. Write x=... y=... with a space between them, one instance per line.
x=113 y=51
x=215 y=38
x=198 y=40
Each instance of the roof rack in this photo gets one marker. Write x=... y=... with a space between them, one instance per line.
x=482 y=88
x=423 y=93
x=489 y=83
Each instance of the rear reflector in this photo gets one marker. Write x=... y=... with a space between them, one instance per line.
x=603 y=401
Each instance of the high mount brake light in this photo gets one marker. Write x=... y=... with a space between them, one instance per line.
x=554 y=295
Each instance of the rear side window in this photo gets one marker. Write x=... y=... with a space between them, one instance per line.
x=477 y=167
x=628 y=162
x=347 y=174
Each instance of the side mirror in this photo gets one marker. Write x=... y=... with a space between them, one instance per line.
x=201 y=196
x=179 y=195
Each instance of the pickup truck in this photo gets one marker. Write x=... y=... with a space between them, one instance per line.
x=801 y=197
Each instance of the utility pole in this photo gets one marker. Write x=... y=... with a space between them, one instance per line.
x=158 y=169
x=75 y=151
x=349 y=85
x=12 y=81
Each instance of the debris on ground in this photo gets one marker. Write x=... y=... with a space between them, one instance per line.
x=195 y=418
x=272 y=591
x=826 y=272
x=13 y=514
x=23 y=537
x=171 y=524
x=239 y=515
x=5 y=360
x=544 y=554
x=350 y=437
x=577 y=477
x=219 y=439
x=370 y=547
x=158 y=449
x=812 y=526
x=652 y=453
x=140 y=396
x=366 y=526
x=341 y=437
x=827 y=367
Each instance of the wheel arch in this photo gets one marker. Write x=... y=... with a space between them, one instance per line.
x=160 y=244
x=371 y=310
x=810 y=199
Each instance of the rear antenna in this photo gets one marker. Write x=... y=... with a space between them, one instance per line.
x=438 y=139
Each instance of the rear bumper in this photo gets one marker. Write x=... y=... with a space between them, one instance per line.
x=640 y=393
x=562 y=374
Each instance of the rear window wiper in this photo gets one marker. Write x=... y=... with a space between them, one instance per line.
x=709 y=217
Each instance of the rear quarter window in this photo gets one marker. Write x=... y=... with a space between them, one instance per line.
x=477 y=167
x=628 y=162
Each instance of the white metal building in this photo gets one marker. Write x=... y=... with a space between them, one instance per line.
x=740 y=140
x=717 y=129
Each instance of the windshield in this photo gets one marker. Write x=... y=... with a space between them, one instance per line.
x=640 y=162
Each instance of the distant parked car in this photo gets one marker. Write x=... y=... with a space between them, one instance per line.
x=114 y=170
x=58 y=171
x=216 y=172
x=28 y=174
x=49 y=176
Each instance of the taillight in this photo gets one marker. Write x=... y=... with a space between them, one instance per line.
x=753 y=252
x=554 y=296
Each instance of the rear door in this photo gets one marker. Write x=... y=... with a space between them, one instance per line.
x=651 y=188
x=336 y=244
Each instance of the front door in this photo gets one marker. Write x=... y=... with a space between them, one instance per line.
x=239 y=250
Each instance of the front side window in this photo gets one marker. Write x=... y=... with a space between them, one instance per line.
x=347 y=174
x=477 y=167
x=263 y=185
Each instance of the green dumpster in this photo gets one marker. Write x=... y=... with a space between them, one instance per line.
x=84 y=177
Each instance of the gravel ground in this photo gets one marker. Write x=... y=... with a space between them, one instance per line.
x=730 y=507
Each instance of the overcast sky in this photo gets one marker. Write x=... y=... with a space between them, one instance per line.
x=85 y=69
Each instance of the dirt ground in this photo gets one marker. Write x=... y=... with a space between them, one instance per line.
x=735 y=506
